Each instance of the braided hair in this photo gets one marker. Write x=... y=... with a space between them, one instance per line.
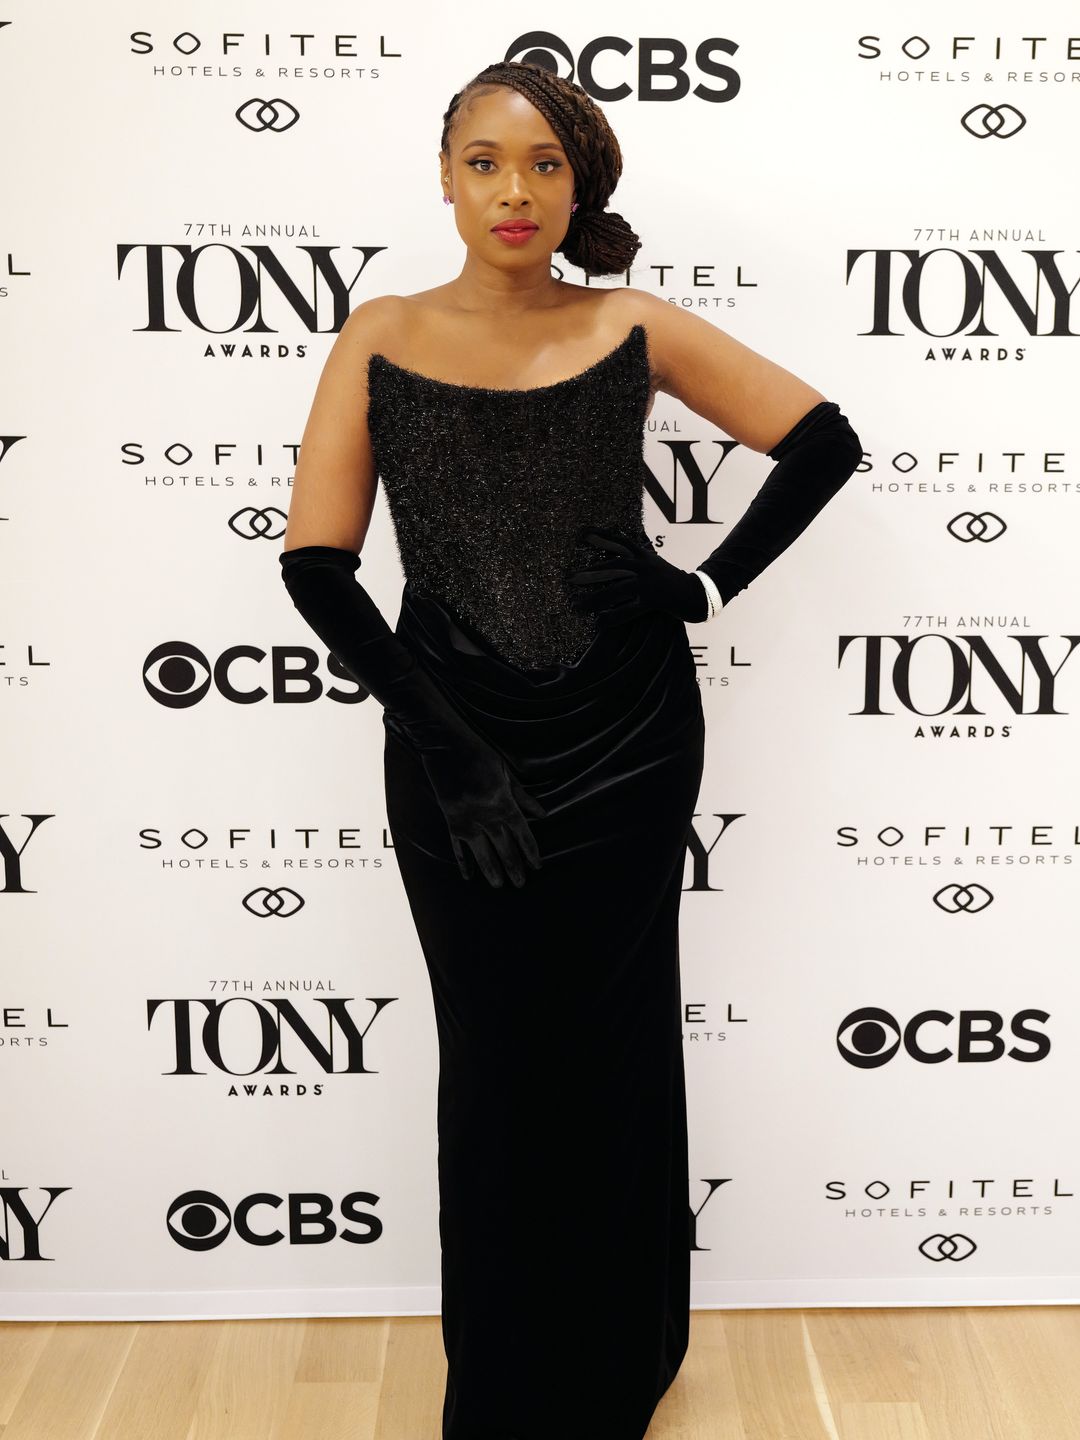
x=598 y=241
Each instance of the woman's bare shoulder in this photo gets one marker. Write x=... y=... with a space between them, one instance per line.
x=371 y=321
x=753 y=399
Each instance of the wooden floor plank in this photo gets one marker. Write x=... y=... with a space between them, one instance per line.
x=70 y=1385
x=413 y=1381
x=950 y=1373
x=161 y=1381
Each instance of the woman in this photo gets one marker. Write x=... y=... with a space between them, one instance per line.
x=543 y=728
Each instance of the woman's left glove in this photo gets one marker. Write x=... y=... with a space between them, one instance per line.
x=639 y=579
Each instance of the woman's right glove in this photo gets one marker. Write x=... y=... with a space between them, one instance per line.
x=484 y=803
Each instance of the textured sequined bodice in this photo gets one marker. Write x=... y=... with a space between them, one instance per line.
x=488 y=488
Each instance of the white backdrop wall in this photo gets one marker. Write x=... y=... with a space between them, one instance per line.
x=218 y=1049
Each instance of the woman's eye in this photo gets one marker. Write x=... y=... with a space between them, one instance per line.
x=483 y=160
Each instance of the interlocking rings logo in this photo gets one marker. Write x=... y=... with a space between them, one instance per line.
x=253 y=523
x=969 y=525
x=280 y=902
x=275 y=115
x=993 y=122
x=963 y=899
x=948 y=1247
x=176 y=683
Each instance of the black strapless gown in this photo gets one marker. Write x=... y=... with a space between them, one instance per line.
x=564 y=1213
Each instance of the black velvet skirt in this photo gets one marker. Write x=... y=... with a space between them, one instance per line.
x=564 y=1207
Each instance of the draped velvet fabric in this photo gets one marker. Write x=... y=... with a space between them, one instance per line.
x=564 y=1217
x=562 y=1164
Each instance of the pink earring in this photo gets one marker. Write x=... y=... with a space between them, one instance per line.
x=446 y=200
x=573 y=207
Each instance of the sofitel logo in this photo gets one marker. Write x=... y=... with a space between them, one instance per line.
x=242 y=848
x=262 y=522
x=261 y=45
x=884 y=1195
x=243 y=1036
x=869 y=1038
x=178 y=675
x=279 y=903
x=274 y=115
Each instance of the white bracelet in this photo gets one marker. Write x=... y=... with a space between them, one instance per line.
x=716 y=603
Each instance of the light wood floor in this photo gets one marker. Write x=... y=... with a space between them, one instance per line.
x=1008 y=1373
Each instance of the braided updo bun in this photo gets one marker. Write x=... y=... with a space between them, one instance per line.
x=598 y=241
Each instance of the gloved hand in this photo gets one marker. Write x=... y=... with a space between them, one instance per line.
x=815 y=458
x=484 y=803
x=641 y=580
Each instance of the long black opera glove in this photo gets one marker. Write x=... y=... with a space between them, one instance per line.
x=815 y=458
x=484 y=803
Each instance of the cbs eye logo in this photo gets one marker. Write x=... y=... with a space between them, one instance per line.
x=201 y=1220
x=869 y=1038
x=661 y=67
x=178 y=675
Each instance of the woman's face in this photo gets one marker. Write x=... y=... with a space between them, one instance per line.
x=506 y=163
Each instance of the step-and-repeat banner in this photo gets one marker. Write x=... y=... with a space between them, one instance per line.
x=218 y=1050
